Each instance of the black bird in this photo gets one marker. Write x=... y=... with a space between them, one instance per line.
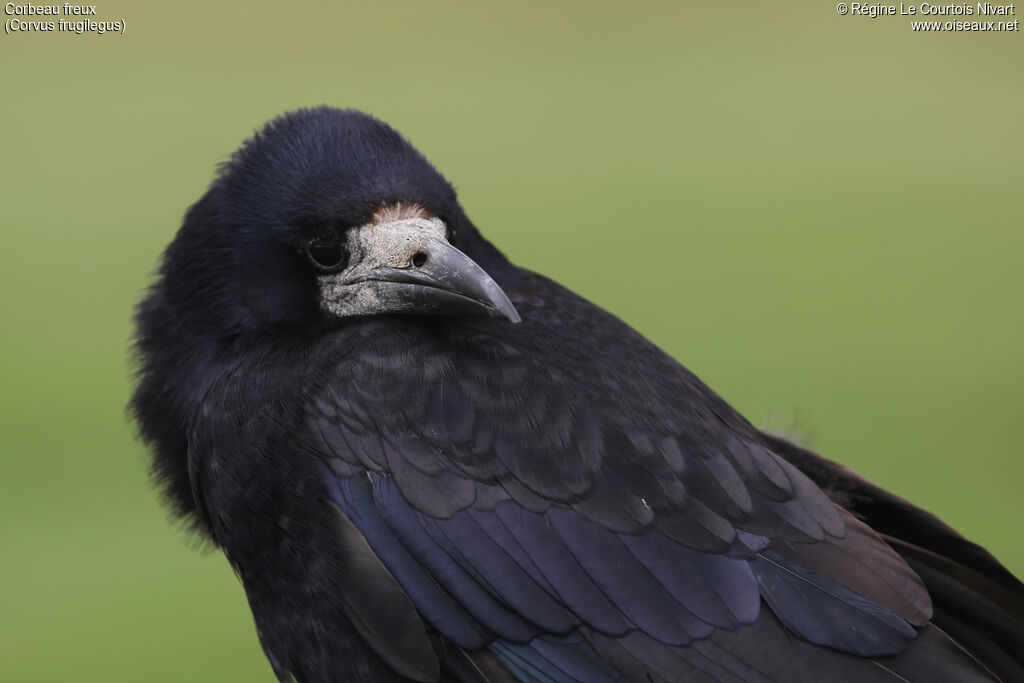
x=426 y=463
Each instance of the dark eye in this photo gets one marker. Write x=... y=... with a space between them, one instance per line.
x=327 y=257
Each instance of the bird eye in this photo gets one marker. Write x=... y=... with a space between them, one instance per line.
x=327 y=257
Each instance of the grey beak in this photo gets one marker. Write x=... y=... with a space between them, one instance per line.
x=407 y=266
x=441 y=279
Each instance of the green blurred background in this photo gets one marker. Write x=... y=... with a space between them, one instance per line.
x=820 y=215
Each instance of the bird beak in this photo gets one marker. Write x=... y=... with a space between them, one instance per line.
x=407 y=266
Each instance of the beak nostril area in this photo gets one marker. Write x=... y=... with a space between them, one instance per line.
x=418 y=259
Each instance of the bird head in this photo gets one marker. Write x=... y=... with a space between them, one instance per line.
x=326 y=214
